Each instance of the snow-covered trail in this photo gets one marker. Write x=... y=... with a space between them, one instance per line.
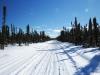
x=48 y=58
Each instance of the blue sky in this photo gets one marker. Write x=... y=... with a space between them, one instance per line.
x=49 y=15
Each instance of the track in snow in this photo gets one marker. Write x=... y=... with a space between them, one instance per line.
x=49 y=58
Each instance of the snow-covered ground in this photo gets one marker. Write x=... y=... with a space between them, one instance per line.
x=49 y=58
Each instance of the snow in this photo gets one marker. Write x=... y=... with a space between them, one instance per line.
x=49 y=58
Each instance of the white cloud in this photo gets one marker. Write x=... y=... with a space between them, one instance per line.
x=57 y=30
x=69 y=28
x=53 y=32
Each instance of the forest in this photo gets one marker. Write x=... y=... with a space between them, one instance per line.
x=9 y=34
x=40 y=37
x=87 y=35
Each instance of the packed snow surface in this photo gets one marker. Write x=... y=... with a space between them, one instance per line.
x=49 y=58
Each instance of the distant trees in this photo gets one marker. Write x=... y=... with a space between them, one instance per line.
x=88 y=35
x=95 y=31
x=27 y=34
x=12 y=35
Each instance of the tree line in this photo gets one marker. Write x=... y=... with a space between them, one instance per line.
x=13 y=35
x=88 y=35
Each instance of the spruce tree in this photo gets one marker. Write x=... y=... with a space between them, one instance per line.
x=90 y=33
x=95 y=31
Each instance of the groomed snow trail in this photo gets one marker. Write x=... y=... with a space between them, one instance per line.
x=48 y=58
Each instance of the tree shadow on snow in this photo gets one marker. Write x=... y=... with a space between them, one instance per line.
x=91 y=67
x=56 y=49
x=93 y=50
x=72 y=49
x=50 y=49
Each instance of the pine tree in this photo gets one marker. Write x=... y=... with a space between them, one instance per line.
x=95 y=31
x=28 y=34
x=90 y=33
x=76 y=31
x=20 y=34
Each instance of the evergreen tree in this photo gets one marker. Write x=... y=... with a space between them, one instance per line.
x=90 y=33
x=95 y=31
x=20 y=34
x=28 y=34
